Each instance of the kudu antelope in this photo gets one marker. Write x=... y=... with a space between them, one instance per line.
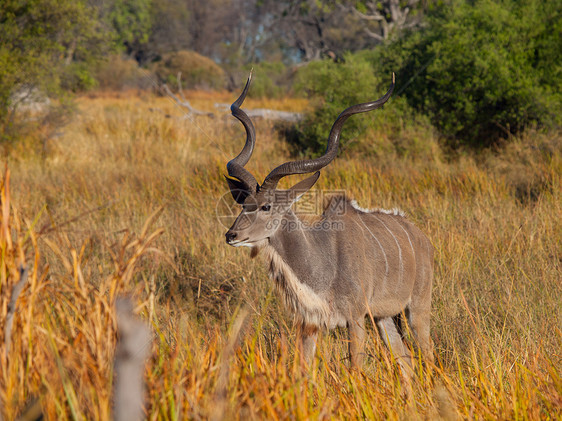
x=362 y=263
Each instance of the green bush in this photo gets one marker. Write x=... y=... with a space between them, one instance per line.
x=77 y=77
x=117 y=72
x=197 y=71
x=484 y=69
x=333 y=87
x=270 y=81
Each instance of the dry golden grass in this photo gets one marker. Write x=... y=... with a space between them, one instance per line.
x=124 y=203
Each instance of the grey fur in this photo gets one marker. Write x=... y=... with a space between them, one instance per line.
x=377 y=264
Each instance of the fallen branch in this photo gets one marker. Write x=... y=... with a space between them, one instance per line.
x=267 y=114
x=263 y=113
x=183 y=102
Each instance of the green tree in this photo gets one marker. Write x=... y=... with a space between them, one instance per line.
x=128 y=21
x=46 y=46
x=483 y=69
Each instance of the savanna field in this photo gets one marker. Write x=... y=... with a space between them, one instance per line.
x=123 y=201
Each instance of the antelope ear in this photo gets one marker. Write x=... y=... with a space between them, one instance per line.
x=239 y=189
x=303 y=186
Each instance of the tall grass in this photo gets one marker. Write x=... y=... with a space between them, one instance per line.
x=124 y=201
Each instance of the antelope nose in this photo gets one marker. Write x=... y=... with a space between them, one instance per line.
x=230 y=236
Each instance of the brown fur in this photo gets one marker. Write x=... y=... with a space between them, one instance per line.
x=359 y=263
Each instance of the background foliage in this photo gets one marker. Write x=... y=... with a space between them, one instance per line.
x=478 y=71
x=47 y=47
x=483 y=70
x=196 y=71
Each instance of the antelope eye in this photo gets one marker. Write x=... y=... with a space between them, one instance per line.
x=266 y=208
